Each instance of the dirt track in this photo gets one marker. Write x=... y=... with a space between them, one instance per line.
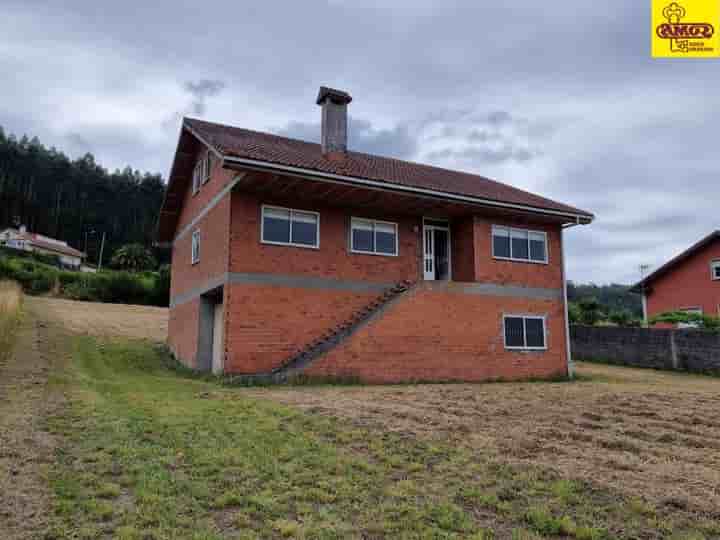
x=26 y=446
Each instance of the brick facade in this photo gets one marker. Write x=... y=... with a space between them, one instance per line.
x=687 y=285
x=438 y=331
x=441 y=333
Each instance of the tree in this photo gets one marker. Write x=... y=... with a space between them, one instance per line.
x=134 y=258
x=590 y=312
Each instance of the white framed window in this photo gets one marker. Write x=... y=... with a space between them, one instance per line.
x=373 y=237
x=715 y=270
x=206 y=166
x=196 y=177
x=195 y=255
x=522 y=245
x=524 y=332
x=288 y=227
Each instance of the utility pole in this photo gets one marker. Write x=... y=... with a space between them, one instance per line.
x=102 y=247
x=643 y=270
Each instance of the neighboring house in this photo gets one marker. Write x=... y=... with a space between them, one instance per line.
x=293 y=257
x=23 y=240
x=688 y=282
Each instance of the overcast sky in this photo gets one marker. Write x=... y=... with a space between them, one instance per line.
x=561 y=98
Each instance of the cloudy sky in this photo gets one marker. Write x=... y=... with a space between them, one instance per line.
x=561 y=98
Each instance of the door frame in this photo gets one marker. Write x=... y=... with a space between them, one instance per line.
x=433 y=228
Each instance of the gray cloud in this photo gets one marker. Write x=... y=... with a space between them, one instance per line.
x=570 y=105
x=362 y=137
x=200 y=91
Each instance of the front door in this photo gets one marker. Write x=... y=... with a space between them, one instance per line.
x=429 y=257
x=436 y=251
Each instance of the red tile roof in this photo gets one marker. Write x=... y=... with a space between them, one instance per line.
x=264 y=147
x=63 y=249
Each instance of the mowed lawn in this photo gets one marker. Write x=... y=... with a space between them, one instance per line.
x=148 y=451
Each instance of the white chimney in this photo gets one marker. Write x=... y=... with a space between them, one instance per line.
x=334 y=119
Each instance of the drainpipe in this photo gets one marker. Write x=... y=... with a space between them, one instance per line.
x=568 y=351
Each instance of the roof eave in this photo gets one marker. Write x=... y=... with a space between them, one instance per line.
x=577 y=218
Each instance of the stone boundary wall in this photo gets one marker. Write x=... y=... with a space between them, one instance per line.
x=688 y=350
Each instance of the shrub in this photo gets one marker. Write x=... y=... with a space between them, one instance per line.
x=699 y=320
x=134 y=258
x=109 y=286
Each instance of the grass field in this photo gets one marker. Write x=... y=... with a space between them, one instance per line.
x=10 y=301
x=146 y=451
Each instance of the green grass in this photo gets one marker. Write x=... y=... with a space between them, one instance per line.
x=150 y=453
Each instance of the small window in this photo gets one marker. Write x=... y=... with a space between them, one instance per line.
x=524 y=332
x=195 y=247
x=519 y=244
x=206 y=166
x=196 y=177
x=290 y=227
x=715 y=270
x=373 y=237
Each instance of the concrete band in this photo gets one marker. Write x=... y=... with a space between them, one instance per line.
x=329 y=284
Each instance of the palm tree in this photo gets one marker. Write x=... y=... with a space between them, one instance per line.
x=134 y=258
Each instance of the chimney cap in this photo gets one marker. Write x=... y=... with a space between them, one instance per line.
x=336 y=96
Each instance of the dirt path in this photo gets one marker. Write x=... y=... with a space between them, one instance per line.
x=26 y=448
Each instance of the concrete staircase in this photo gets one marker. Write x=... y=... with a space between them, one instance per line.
x=295 y=364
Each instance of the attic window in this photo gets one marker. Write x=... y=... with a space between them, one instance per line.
x=715 y=270
x=206 y=167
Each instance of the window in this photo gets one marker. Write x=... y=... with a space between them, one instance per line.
x=524 y=332
x=715 y=270
x=206 y=166
x=290 y=227
x=374 y=237
x=519 y=244
x=196 y=177
x=195 y=247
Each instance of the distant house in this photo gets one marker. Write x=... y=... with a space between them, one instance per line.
x=292 y=257
x=688 y=282
x=26 y=241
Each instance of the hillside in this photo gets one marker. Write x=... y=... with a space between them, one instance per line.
x=66 y=198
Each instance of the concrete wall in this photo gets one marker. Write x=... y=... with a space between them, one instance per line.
x=690 y=350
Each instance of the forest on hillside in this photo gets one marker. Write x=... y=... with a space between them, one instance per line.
x=76 y=200
x=611 y=298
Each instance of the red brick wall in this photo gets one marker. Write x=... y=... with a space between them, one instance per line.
x=193 y=204
x=490 y=270
x=183 y=327
x=462 y=250
x=214 y=245
x=267 y=323
x=688 y=285
x=333 y=259
x=436 y=335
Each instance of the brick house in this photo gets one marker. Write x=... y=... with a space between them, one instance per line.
x=688 y=282
x=292 y=257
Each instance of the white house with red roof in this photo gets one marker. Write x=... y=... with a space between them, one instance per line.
x=23 y=240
